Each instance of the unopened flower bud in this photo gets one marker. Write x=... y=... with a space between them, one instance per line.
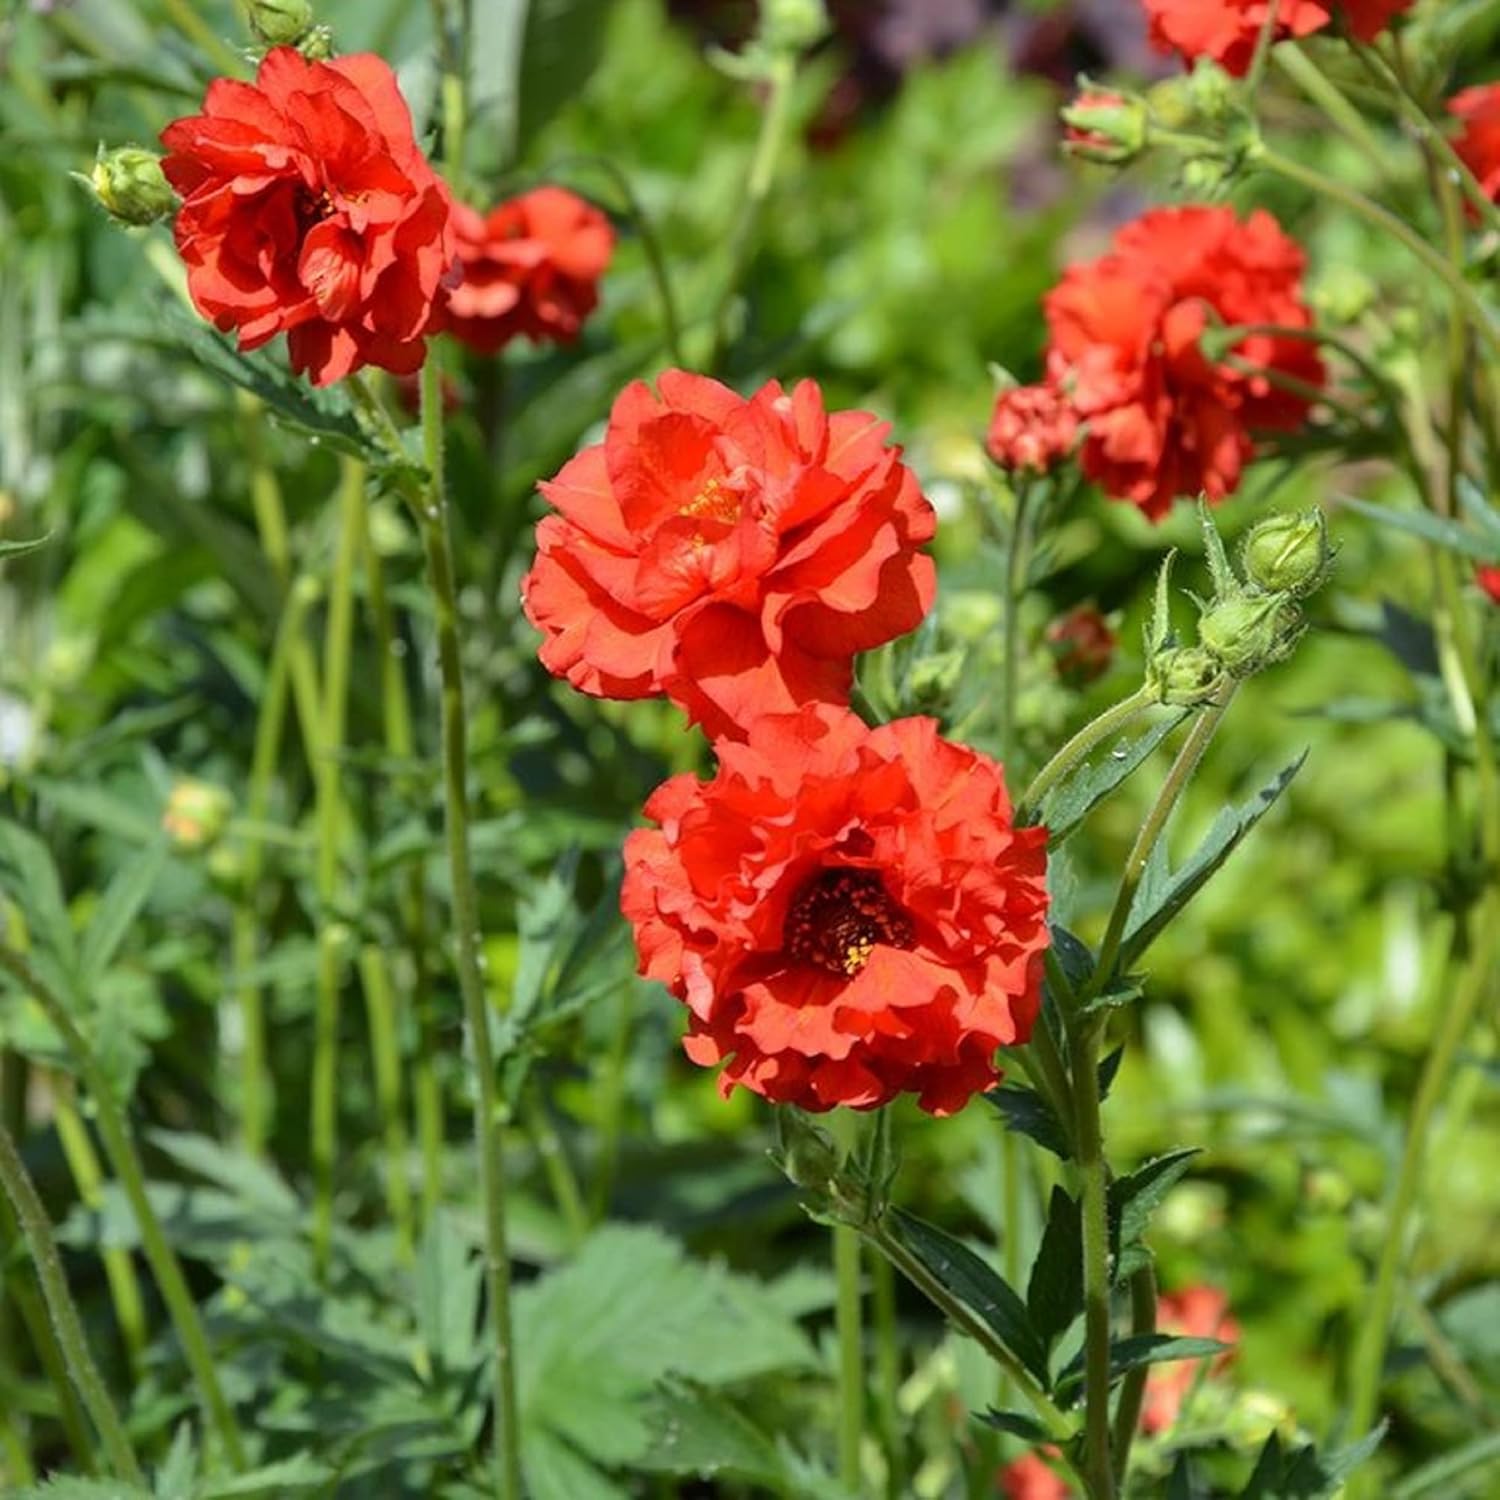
x=931 y=680
x=1247 y=633
x=805 y=1153
x=1344 y=294
x=1289 y=554
x=792 y=25
x=317 y=45
x=130 y=184
x=1105 y=127
x=1487 y=576
x=1082 y=645
x=196 y=814
x=279 y=23
x=1184 y=676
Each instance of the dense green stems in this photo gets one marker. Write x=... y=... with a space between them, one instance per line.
x=849 y=1323
x=88 y=1178
x=1111 y=721
x=1481 y=975
x=1344 y=114
x=1188 y=757
x=1383 y=219
x=781 y=75
x=36 y=1228
x=385 y=1055
x=1088 y=1146
x=338 y=643
x=888 y=1374
x=165 y=1267
x=1133 y=1387
x=488 y=1123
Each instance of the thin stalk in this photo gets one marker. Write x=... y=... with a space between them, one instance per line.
x=1387 y=222
x=488 y=1122
x=1015 y=586
x=1088 y=1146
x=888 y=1374
x=338 y=642
x=781 y=75
x=612 y=1106
x=15 y=1457
x=561 y=1177
x=1478 y=979
x=1341 y=112
x=187 y=20
x=1133 y=1387
x=1111 y=721
x=165 y=1267
x=846 y=1265
x=37 y=1231
x=88 y=1178
x=385 y=1054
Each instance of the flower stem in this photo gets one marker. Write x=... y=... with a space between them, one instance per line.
x=160 y=1256
x=1111 y=721
x=1387 y=222
x=337 y=646
x=432 y=518
x=37 y=1230
x=1323 y=92
x=385 y=1055
x=1015 y=587
x=197 y=30
x=1133 y=1387
x=888 y=1374
x=846 y=1261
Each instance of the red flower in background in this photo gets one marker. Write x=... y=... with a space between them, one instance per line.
x=1082 y=645
x=1488 y=579
x=1164 y=417
x=733 y=554
x=1030 y=1478
x=1033 y=427
x=1198 y=1312
x=531 y=268
x=848 y=913
x=309 y=210
x=1478 y=145
x=1228 y=30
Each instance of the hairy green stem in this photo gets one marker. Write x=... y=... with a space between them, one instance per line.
x=187 y=20
x=1111 y=721
x=1015 y=586
x=165 y=1267
x=1133 y=1387
x=488 y=1122
x=36 y=1228
x=385 y=1055
x=846 y=1262
x=1323 y=92
x=888 y=1375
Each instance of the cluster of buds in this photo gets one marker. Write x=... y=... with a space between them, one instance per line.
x=288 y=23
x=1250 y=621
x=787 y=29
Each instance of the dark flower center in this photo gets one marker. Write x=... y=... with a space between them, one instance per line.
x=839 y=916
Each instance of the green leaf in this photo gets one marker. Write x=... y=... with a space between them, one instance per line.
x=289 y=1476
x=29 y=878
x=1136 y=1196
x=64 y=1488
x=1163 y=894
x=1027 y=1113
x=1135 y=1352
x=702 y=1433
x=1067 y=805
x=449 y=1277
x=1437 y=1477
x=1181 y=1486
x=563 y=43
x=1447 y=534
x=1303 y=1474
x=1054 y=1293
x=982 y=1290
x=255 y=1183
x=178 y=1473
x=1016 y=1424
x=1224 y=582
x=19 y=548
x=118 y=908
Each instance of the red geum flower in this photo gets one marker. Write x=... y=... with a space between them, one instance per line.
x=1164 y=416
x=1229 y=30
x=733 y=554
x=1478 y=145
x=1198 y=1312
x=531 y=268
x=1033 y=427
x=1082 y=645
x=849 y=914
x=1030 y=1478
x=308 y=209
x=1488 y=578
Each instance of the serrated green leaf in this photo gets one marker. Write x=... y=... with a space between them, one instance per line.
x=449 y=1277
x=1067 y=805
x=179 y=1470
x=1014 y=1423
x=1304 y=1474
x=28 y=877
x=982 y=1290
x=1136 y=1196
x=1162 y=895
x=64 y=1488
x=291 y=1476
x=703 y=1433
x=1224 y=581
x=1027 y=1113
x=253 y=1181
x=1135 y=1352
x=1054 y=1292
x=118 y=908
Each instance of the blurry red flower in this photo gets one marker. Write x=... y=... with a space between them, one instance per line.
x=1030 y=1478
x=308 y=209
x=531 y=268
x=733 y=554
x=1033 y=427
x=1163 y=418
x=1489 y=580
x=1228 y=30
x=848 y=913
x=1478 y=146
x=1082 y=645
x=1199 y=1312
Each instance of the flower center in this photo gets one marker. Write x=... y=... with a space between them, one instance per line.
x=716 y=501
x=839 y=916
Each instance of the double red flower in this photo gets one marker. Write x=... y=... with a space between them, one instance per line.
x=732 y=554
x=1200 y=1312
x=1478 y=144
x=531 y=269
x=308 y=209
x=848 y=913
x=1167 y=408
x=1228 y=31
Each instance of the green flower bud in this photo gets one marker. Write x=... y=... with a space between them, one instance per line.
x=1185 y=676
x=1105 y=127
x=129 y=182
x=804 y=1153
x=792 y=25
x=1249 y=631
x=1344 y=294
x=196 y=814
x=317 y=45
x=931 y=680
x=1289 y=554
x=279 y=23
